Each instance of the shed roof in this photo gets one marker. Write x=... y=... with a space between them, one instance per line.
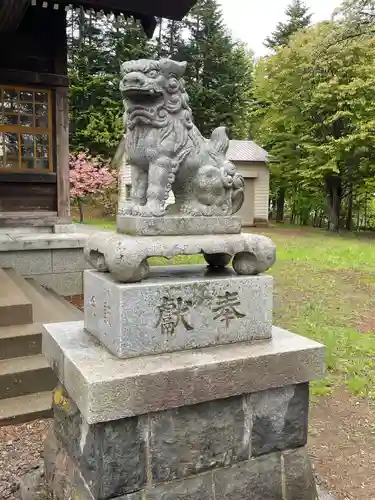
x=247 y=151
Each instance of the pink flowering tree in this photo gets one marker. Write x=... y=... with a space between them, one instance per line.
x=88 y=178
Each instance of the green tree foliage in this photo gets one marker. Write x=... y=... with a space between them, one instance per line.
x=355 y=18
x=219 y=72
x=320 y=125
x=298 y=18
x=358 y=14
x=218 y=78
x=96 y=49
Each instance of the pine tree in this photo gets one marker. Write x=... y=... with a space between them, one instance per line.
x=298 y=18
x=171 y=43
x=218 y=73
x=97 y=47
x=218 y=78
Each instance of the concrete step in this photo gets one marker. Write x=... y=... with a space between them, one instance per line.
x=24 y=408
x=25 y=375
x=26 y=380
x=48 y=307
x=17 y=341
x=15 y=307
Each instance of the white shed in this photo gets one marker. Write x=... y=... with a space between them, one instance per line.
x=252 y=162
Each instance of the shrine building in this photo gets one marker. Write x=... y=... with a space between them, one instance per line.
x=34 y=128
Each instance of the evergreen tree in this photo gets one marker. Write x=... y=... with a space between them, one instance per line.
x=298 y=18
x=218 y=78
x=172 y=41
x=218 y=72
x=97 y=47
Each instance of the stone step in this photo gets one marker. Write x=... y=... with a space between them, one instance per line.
x=24 y=408
x=25 y=375
x=18 y=341
x=48 y=307
x=15 y=307
x=26 y=380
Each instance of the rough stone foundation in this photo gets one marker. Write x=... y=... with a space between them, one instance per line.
x=245 y=447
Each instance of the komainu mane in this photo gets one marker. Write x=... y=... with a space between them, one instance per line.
x=167 y=152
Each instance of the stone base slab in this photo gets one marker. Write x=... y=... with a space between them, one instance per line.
x=125 y=257
x=250 y=446
x=177 y=308
x=108 y=388
x=177 y=225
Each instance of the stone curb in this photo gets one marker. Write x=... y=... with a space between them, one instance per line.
x=44 y=241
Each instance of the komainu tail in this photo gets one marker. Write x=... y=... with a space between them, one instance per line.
x=238 y=192
x=219 y=143
x=232 y=179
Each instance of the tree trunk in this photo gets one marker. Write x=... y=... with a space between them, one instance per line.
x=80 y=208
x=280 y=205
x=274 y=207
x=358 y=212
x=349 y=214
x=333 y=186
x=293 y=215
x=321 y=220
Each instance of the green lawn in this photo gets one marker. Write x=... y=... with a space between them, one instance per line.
x=325 y=290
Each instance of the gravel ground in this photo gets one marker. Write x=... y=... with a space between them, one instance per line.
x=21 y=447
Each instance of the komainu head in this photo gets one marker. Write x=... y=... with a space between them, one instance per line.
x=146 y=79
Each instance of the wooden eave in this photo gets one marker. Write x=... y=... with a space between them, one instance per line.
x=170 y=9
x=11 y=14
x=13 y=11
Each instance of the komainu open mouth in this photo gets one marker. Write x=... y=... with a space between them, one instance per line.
x=138 y=91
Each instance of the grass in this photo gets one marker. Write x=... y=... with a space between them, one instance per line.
x=324 y=290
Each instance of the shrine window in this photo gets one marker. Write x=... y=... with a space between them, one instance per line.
x=25 y=130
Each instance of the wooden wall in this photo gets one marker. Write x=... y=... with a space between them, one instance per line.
x=35 y=55
x=28 y=192
x=32 y=46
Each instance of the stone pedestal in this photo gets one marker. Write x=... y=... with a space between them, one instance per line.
x=178 y=307
x=218 y=423
x=176 y=386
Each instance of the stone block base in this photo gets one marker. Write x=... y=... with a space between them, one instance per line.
x=178 y=307
x=247 y=447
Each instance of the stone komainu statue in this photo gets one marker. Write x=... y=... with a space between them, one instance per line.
x=167 y=152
